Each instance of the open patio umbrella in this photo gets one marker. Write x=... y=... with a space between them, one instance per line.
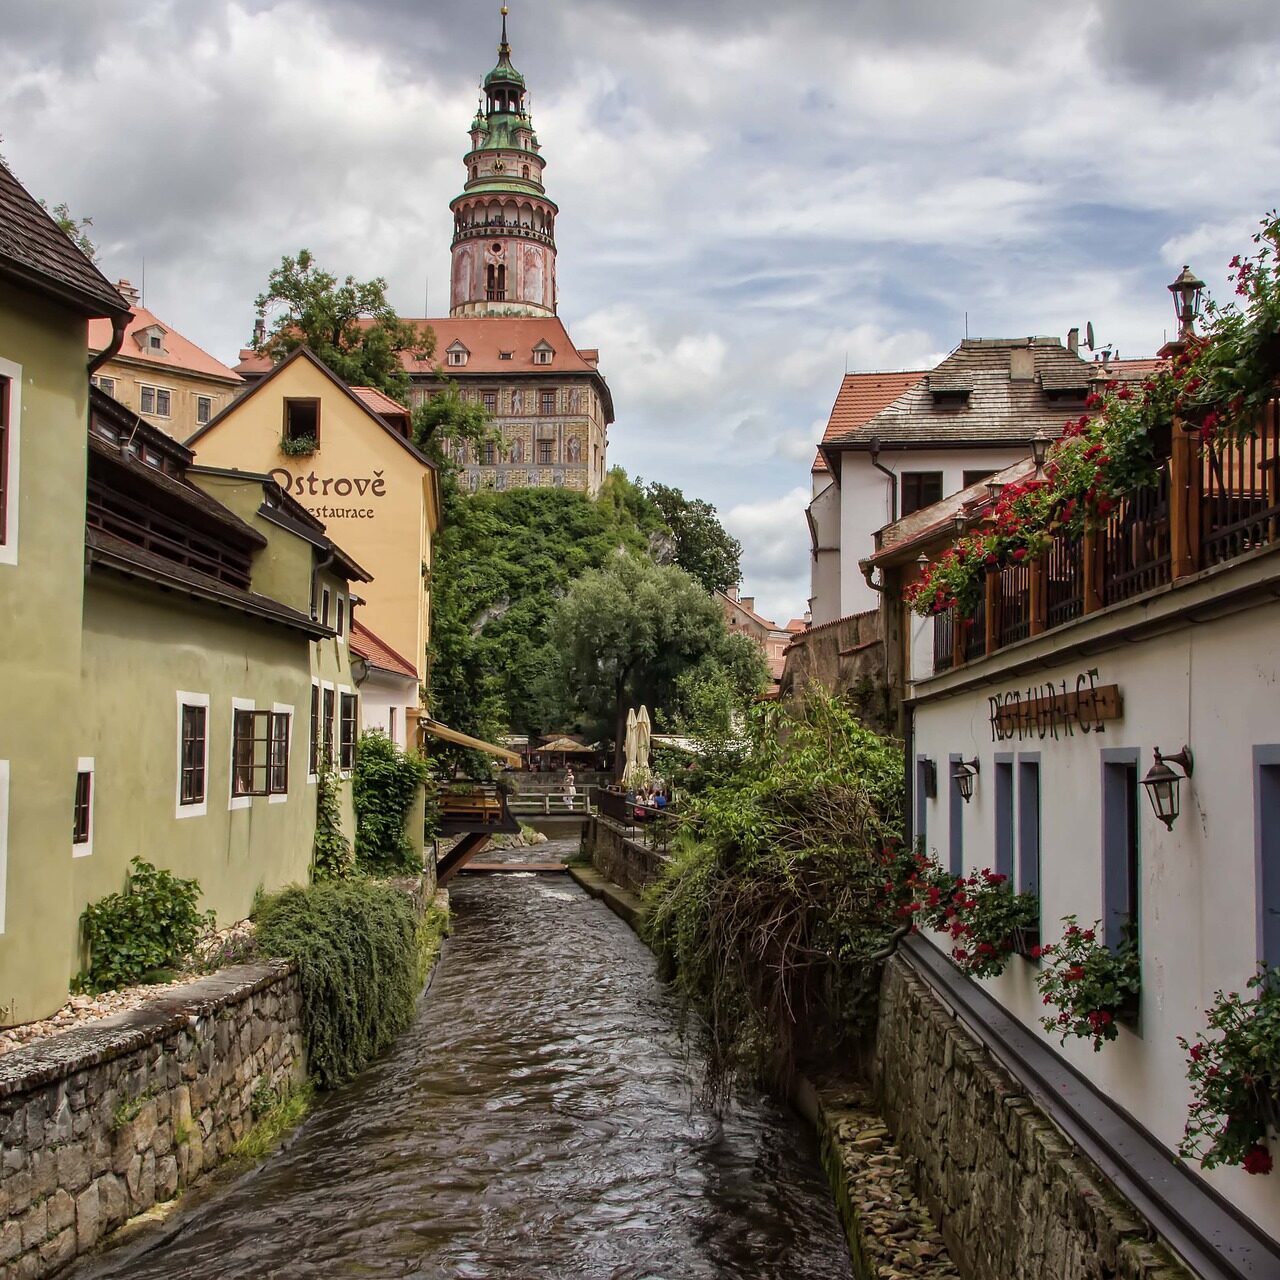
x=566 y=746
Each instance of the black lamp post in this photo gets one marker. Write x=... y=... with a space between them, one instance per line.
x=1187 y=290
x=1162 y=784
x=964 y=773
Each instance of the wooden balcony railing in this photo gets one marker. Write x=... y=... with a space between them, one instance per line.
x=1208 y=505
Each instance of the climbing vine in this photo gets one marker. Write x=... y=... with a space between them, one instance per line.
x=384 y=786
x=331 y=858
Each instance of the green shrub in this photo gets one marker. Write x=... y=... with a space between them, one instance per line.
x=355 y=944
x=384 y=786
x=331 y=856
x=143 y=933
x=772 y=914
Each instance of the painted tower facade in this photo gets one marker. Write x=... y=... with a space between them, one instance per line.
x=504 y=248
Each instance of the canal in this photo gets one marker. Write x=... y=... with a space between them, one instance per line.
x=539 y=1120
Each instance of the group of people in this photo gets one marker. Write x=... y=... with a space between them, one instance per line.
x=646 y=797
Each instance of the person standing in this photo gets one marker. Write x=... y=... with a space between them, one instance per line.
x=570 y=787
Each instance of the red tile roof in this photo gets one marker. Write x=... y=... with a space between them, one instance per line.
x=797 y=624
x=379 y=402
x=377 y=652
x=860 y=398
x=485 y=338
x=179 y=353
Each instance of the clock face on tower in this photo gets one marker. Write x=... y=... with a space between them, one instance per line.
x=498 y=166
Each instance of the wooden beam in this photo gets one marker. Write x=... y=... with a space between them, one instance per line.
x=1039 y=602
x=1185 y=476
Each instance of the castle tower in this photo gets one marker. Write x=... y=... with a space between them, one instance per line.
x=504 y=248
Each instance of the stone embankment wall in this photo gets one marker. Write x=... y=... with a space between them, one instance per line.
x=1011 y=1198
x=102 y=1122
x=847 y=656
x=618 y=858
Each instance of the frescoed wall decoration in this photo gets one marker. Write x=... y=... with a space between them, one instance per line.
x=573 y=449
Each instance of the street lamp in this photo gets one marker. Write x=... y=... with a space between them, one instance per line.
x=1186 y=290
x=1039 y=451
x=994 y=489
x=961 y=523
x=1162 y=784
x=964 y=773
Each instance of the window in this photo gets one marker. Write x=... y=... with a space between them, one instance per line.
x=324 y=607
x=342 y=619
x=1004 y=817
x=82 y=821
x=542 y=355
x=154 y=401
x=391 y=724
x=506 y=355
x=259 y=765
x=1120 y=867
x=548 y=402
x=457 y=355
x=976 y=477
x=204 y=409
x=154 y=342
x=302 y=420
x=524 y=171
x=313 y=757
x=327 y=727
x=496 y=282
x=278 y=773
x=490 y=401
x=347 y=732
x=193 y=749
x=921 y=832
x=920 y=489
x=546 y=451
x=487 y=454
x=1266 y=826
x=955 y=821
x=6 y=444
x=1028 y=825
x=104 y=384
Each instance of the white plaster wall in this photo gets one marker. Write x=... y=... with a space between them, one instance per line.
x=824 y=552
x=378 y=694
x=1213 y=686
x=865 y=503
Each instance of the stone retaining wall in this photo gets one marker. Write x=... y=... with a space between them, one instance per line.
x=1012 y=1199
x=101 y=1122
x=618 y=858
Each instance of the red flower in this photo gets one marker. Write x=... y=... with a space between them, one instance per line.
x=985 y=948
x=1035 y=955
x=1093 y=400
x=1075 y=973
x=1257 y=1160
x=1020 y=553
x=1124 y=394
x=1088 y=935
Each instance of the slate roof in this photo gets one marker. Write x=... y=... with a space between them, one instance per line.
x=180 y=353
x=999 y=410
x=37 y=252
x=861 y=396
x=377 y=653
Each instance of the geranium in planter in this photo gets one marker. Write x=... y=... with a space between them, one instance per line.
x=984 y=918
x=1235 y=1078
x=1088 y=984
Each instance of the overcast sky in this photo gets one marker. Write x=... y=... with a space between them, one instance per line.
x=752 y=194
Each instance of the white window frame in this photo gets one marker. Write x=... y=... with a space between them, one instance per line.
x=155 y=390
x=4 y=838
x=9 y=533
x=199 y=810
x=234 y=801
x=457 y=356
x=85 y=765
x=542 y=355
x=104 y=382
x=344 y=690
x=340 y=614
x=200 y=422
x=313 y=778
x=281 y=797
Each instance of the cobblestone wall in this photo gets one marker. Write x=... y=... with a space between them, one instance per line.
x=626 y=862
x=1011 y=1198
x=101 y=1122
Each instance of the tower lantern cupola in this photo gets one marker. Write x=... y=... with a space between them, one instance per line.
x=504 y=248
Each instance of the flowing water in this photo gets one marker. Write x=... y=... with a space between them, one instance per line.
x=539 y=1120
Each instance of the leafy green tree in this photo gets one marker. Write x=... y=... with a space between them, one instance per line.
x=712 y=697
x=349 y=324
x=384 y=786
x=626 y=632
x=445 y=421
x=74 y=227
x=702 y=546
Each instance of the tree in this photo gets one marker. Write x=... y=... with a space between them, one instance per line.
x=73 y=227
x=445 y=421
x=349 y=324
x=625 y=633
x=712 y=697
x=702 y=547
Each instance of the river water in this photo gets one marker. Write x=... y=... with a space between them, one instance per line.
x=539 y=1120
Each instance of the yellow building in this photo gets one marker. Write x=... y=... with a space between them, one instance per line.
x=352 y=468
x=161 y=375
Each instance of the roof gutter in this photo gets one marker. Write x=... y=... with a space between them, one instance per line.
x=119 y=323
x=874 y=444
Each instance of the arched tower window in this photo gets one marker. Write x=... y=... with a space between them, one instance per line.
x=524 y=173
x=475 y=170
x=496 y=282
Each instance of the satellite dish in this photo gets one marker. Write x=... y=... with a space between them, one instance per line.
x=1088 y=335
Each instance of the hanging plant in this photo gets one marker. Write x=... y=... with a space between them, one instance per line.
x=1087 y=983
x=984 y=918
x=1235 y=1079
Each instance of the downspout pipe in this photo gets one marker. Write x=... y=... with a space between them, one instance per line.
x=874 y=442
x=119 y=323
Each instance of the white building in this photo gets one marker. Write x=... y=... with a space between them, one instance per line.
x=388 y=687
x=1159 y=632
x=897 y=442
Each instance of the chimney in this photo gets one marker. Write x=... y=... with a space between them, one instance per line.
x=1073 y=339
x=808 y=618
x=128 y=292
x=1022 y=363
x=732 y=592
x=749 y=603
x=259 y=330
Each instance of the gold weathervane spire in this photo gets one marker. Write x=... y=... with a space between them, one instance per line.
x=504 y=47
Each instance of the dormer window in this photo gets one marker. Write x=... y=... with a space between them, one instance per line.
x=950 y=389
x=543 y=353
x=506 y=355
x=456 y=355
x=151 y=340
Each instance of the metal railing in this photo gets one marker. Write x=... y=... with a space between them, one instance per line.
x=1241 y=503
x=944 y=640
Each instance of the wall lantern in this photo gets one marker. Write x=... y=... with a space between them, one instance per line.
x=961 y=522
x=964 y=774
x=1039 y=451
x=1186 y=290
x=922 y=562
x=1162 y=784
x=994 y=489
x=929 y=777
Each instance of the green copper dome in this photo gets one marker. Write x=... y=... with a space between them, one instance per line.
x=504 y=72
